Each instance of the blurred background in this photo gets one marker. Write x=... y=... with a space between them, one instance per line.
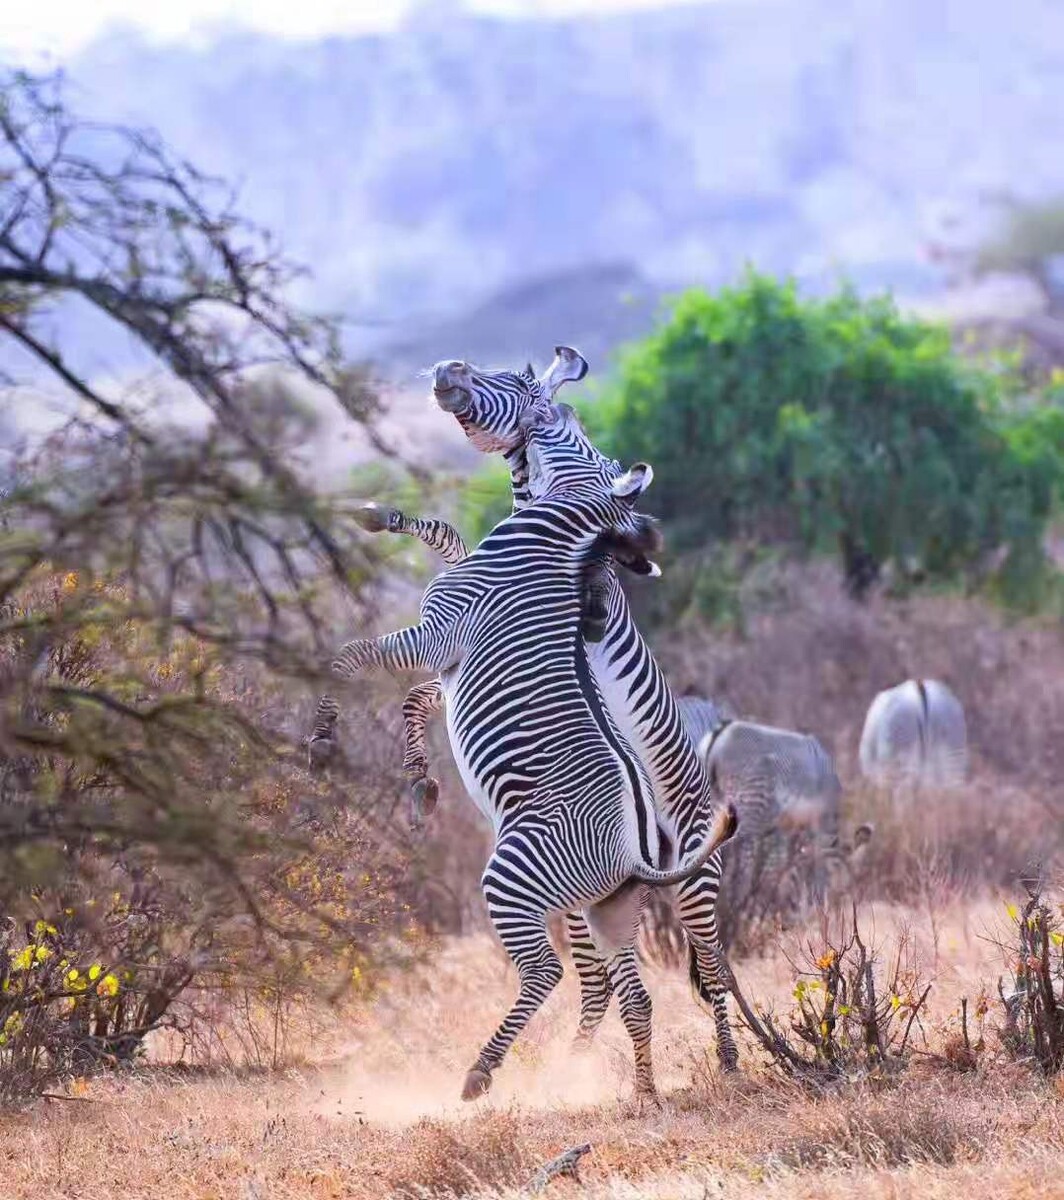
x=481 y=179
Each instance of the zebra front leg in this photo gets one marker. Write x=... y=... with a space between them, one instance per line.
x=596 y=987
x=437 y=535
x=523 y=933
x=410 y=649
x=321 y=745
x=696 y=909
x=420 y=703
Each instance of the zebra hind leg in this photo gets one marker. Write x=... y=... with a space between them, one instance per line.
x=636 y=1013
x=596 y=987
x=696 y=905
x=523 y=933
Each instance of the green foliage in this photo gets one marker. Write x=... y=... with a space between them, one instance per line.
x=833 y=424
x=485 y=500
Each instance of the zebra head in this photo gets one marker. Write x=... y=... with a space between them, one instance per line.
x=490 y=405
x=562 y=462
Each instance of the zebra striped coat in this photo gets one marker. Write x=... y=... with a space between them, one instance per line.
x=493 y=408
x=569 y=802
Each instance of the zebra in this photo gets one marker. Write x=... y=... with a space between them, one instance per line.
x=915 y=733
x=570 y=803
x=787 y=794
x=701 y=716
x=493 y=409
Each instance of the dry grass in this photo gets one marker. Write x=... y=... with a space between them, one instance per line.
x=383 y=1119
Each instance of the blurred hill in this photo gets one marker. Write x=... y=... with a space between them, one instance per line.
x=428 y=175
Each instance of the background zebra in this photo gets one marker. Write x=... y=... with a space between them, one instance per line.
x=787 y=853
x=575 y=827
x=915 y=733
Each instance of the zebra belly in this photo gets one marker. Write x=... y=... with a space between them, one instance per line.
x=477 y=793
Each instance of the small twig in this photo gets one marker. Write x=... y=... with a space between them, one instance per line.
x=72 y=1099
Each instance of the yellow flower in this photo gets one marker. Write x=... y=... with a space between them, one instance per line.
x=1013 y=911
x=94 y=972
x=844 y=1010
x=825 y=960
x=1057 y=938
x=41 y=953
x=108 y=986
x=42 y=927
x=895 y=1002
x=70 y=581
x=23 y=960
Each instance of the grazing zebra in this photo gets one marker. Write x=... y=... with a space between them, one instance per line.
x=493 y=409
x=787 y=794
x=785 y=787
x=570 y=803
x=915 y=733
x=701 y=716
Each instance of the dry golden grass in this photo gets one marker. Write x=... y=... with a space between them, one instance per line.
x=382 y=1117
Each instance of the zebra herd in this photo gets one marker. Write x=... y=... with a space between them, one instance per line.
x=597 y=783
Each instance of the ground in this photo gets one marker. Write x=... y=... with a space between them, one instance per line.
x=383 y=1117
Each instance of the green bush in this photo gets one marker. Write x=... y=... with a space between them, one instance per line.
x=834 y=424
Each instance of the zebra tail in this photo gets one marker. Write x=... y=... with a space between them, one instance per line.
x=725 y=823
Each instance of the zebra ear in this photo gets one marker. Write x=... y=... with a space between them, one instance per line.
x=530 y=370
x=569 y=365
x=633 y=483
x=537 y=416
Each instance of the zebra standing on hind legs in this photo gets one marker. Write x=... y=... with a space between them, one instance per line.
x=494 y=408
x=569 y=801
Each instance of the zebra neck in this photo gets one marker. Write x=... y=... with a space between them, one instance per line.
x=517 y=461
x=711 y=741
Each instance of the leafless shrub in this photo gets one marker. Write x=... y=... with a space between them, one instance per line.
x=851 y=1018
x=168 y=598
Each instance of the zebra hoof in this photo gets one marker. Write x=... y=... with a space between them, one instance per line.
x=374 y=518
x=426 y=796
x=477 y=1084
x=320 y=752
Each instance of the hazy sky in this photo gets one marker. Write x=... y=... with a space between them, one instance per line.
x=35 y=29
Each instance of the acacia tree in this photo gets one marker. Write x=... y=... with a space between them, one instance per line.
x=835 y=424
x=158 y=585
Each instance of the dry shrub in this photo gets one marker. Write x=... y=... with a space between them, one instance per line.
x=167 y=861
x=855 y=1011
x=1034 y=1005
x=443 y=1159
x=984 y=834
x=810 y=658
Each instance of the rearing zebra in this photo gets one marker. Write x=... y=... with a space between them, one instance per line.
x=493 y=409
x=569 y=801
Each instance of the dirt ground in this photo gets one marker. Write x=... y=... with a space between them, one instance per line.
x=379 y=1116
